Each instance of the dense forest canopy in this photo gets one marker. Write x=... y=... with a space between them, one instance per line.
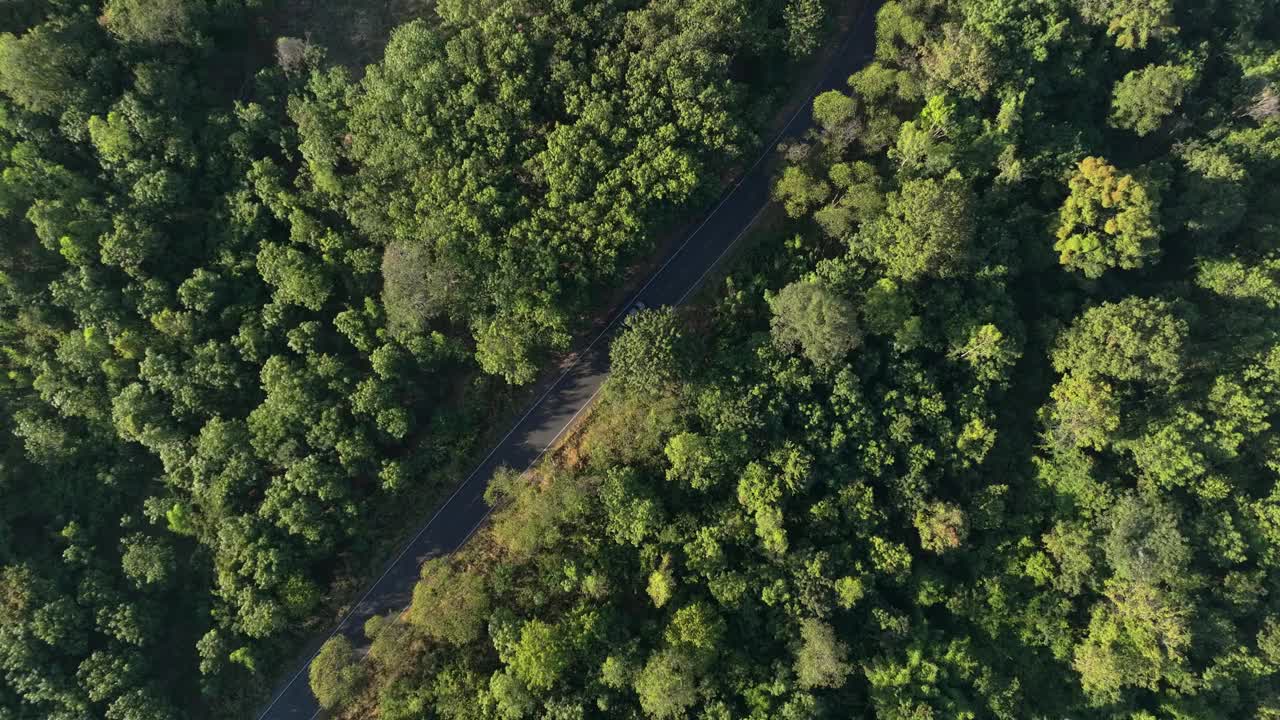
x=985 y=426
x=257 y=306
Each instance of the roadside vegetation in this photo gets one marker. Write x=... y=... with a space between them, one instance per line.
x=986 y=428
x=256 y=304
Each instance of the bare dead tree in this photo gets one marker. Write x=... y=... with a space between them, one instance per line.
x=1265 y=105
x=291 y=53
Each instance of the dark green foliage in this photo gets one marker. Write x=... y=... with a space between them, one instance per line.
x=603 y=154
x=1143 y=544
x=1033 y=489
x=43 y=69
x=248 y=301
x=903 y=465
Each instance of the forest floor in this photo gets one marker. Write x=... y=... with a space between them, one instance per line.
x=353 y=34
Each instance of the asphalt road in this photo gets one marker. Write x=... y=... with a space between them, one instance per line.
x=568 y=395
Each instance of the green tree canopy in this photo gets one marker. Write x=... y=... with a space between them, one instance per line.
x=154 y=21
x=666 y=685
x=649 y=354
x=925 y=231
x=1108 y=221
x=449 y=605
x=1136 y=339
x=1144 y=98
x=822 y=660
x=822 y=324
x=41 y=70
x=335 y=673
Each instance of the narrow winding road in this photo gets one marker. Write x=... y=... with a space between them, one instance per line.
x=555 y=409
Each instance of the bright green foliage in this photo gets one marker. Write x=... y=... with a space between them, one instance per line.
x=804 y=19
x=849 y=590
x=693 y=459
x=249 y=311
x=298 y=279
x=449 y=605
x=1109 y=220
x=1084 y=413
x=799 y=192
x=988 y=351
x=696 y=627
x=153 y=21
x=819 y=322
x=833 y=111
x=1021 y=495
x=540 y=656
x=942 y=526
x=1232 y=278
x=962 y=60
x=666 y=685
x=1137 y=638
x=511 y=695
x=1133 y=23
x=335 y=673
x=649 y=354
x=111 y=137
x=1144 y=98
x=105 y=675
x=661 y=583
x=498 y=354
x=536 y=512
x=147 y=560
x=1136 y=339
x=924 y=232
x=822 y=660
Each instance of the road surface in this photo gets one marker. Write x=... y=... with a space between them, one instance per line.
x=555 y=409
